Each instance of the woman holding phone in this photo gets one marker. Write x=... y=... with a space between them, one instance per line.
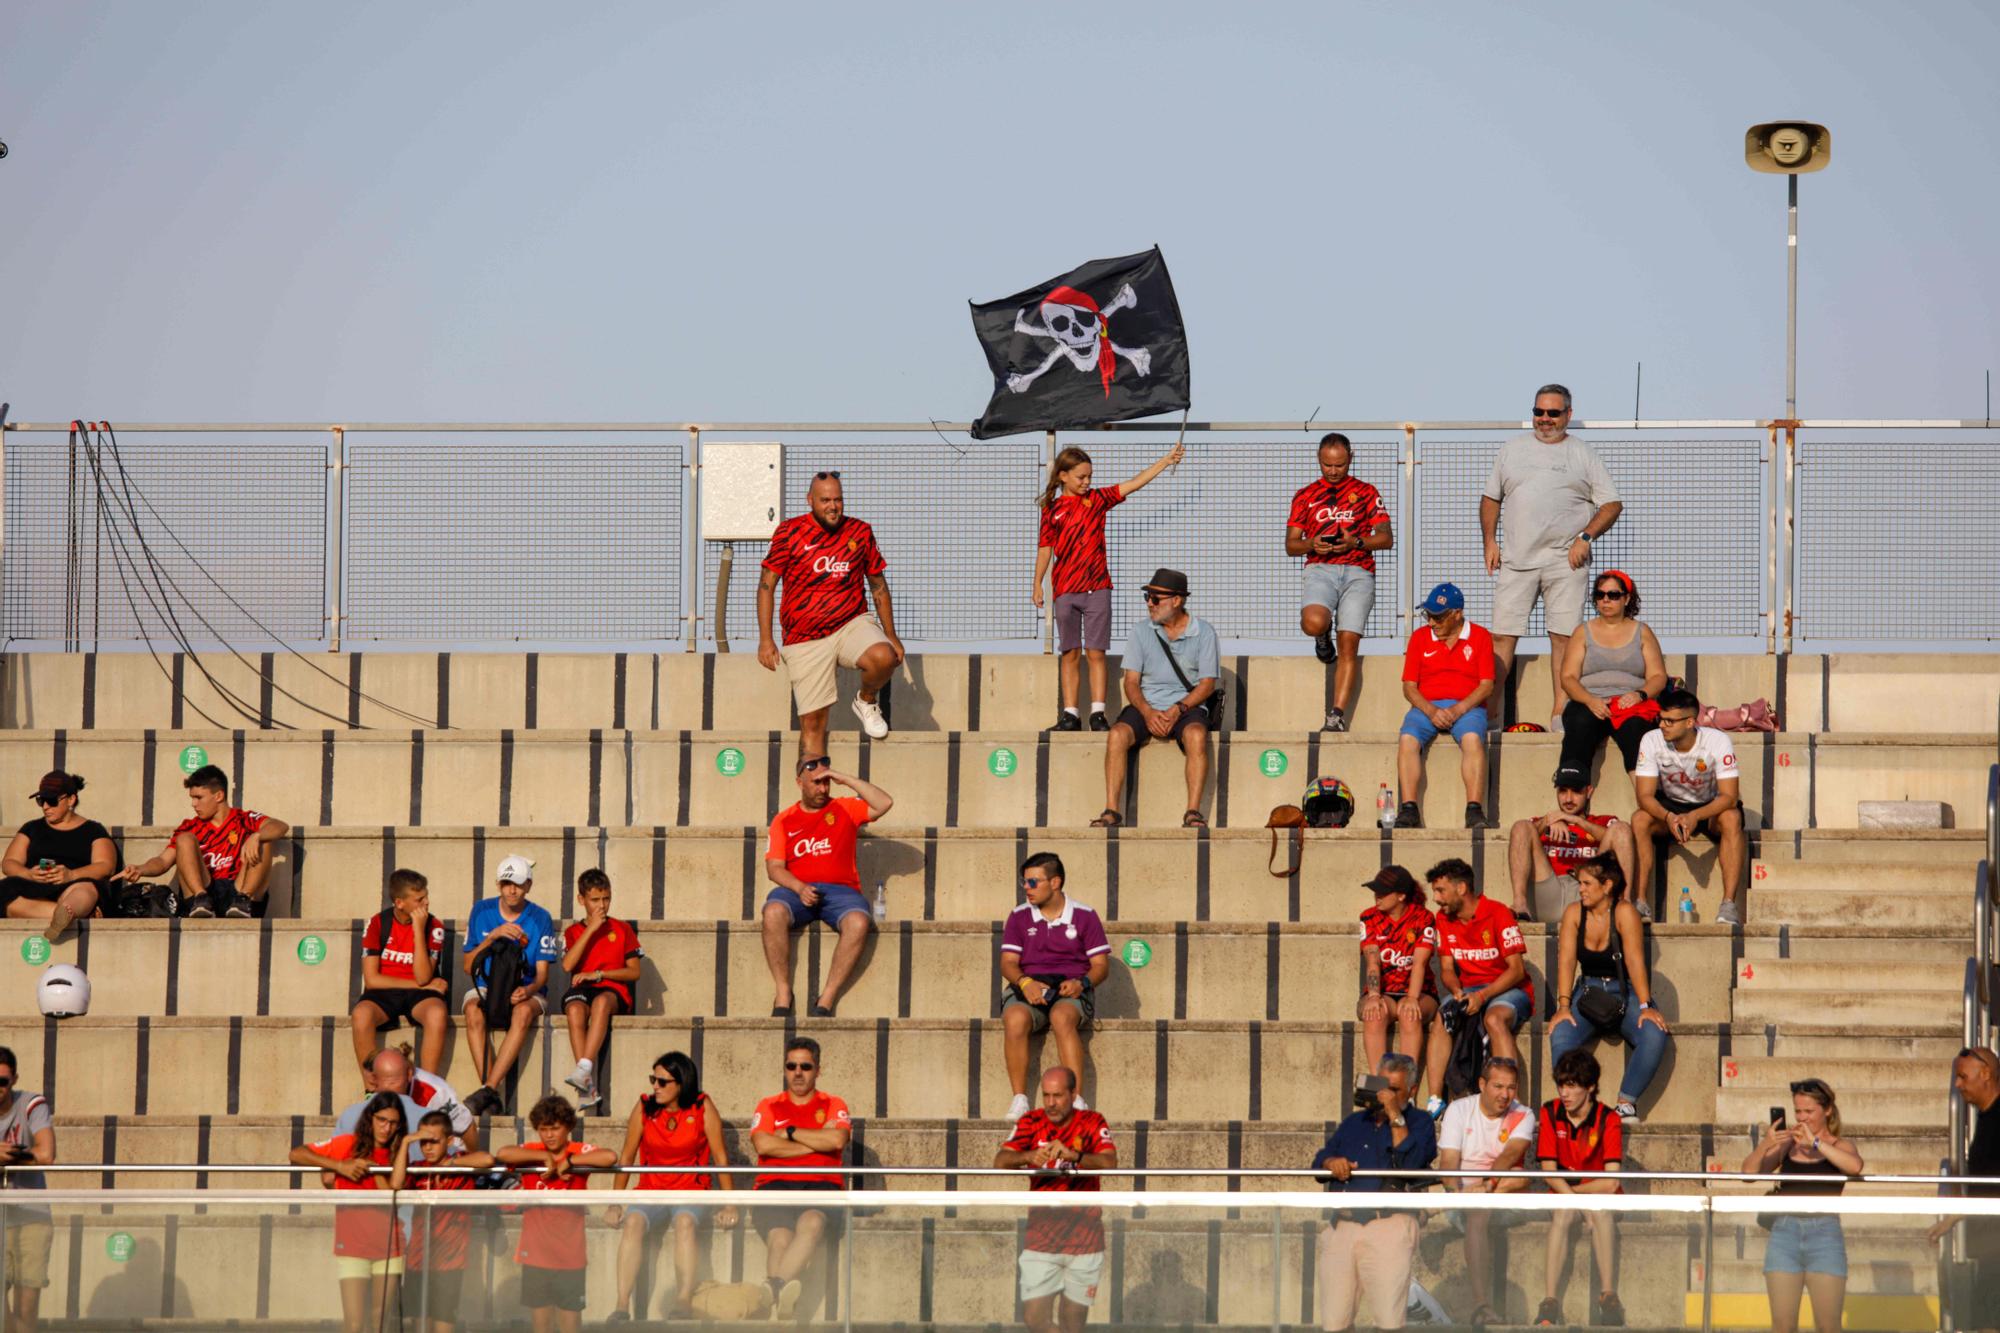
x=56 y=864
x=1805 y=1251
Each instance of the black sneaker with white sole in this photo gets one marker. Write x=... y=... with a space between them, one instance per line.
x=1408 y=816
x=1099 y=722
x=485 y=1101
x=199 y=906
x=1069 y=722
x=1323 y=646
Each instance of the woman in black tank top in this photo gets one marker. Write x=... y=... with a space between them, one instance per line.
x=1806 y=1251
x=1606 y=991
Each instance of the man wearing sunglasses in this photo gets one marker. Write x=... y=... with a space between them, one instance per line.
x=799 y=1127
x=816 y=877
x=1687 y=783
x=1172 y=666
x=1554 y=498
x=823 y=557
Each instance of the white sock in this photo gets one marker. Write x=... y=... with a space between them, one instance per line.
x=1070 y=710
x=584 y=1065
x=1096 y=707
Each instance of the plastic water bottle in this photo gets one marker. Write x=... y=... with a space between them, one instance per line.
x=1687 y=905
x=881 y=902
x=1385 y=807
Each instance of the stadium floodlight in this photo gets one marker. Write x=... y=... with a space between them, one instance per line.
x=1789 y=148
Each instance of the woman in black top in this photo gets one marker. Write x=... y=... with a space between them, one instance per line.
x=55 y=865
x=1806 y=1251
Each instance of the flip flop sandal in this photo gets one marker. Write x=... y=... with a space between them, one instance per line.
x=1194 y=819
x=1108 y=819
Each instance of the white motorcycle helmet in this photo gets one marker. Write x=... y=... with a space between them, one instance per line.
x=64 y=991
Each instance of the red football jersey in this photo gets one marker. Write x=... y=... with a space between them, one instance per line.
x=616 y=945
x=674 y=1136
x=820 y=1111
x=1398 y=939
x=1567 y=856
x=824 y=574
x=552 y=1237
x=1588 y=1147
x=362 y=1233
x=1322 y=510
x=1448 y=671
x=1073 y=530
x=1479 y=948
x=399 y=955
x=448 y=1230
x=220 y=844
x=1063 y=1230
x=818 y=845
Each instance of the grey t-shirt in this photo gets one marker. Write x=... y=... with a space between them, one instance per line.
x=1547 y=493
x=26 y=1117
x=1197 y=650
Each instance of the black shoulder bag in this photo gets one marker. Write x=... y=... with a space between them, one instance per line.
x=1600 y=1008
x=1213 y=704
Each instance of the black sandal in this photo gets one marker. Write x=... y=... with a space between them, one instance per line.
x=1194 y=819
x=781 y=1011
x=1108 y=819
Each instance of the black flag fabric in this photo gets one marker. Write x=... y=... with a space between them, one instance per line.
x=1103 y=342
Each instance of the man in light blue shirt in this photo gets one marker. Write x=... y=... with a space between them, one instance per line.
x=1173 y=665
x=508 y=916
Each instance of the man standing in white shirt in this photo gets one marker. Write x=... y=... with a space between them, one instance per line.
x=1687 y=783
x=1490 y=1130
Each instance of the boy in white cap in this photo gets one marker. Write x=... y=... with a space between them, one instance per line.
x=508 y=915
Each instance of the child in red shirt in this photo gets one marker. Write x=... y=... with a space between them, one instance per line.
x=367 y=1242
x=552 y=1253
x=439 y=1237
x=601 y=957
x=1580 y=1133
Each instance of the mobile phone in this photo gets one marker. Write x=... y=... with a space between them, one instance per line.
x=45 y=864
x=1778 y=1116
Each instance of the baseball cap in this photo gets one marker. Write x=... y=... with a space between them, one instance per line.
x=1394 y=879
x=1445 y=597
x=516 y=870
x=1574 y=779
x=1169 y=581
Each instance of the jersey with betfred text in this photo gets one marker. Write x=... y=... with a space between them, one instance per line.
x=1063 y=1230
x=1323 y=509
x=823 y=574
x=1397 y=939
x=1480 y=948
x=1688 y=776
x=1567 y=851
x=1073 y=530
x=818 y=845
x=399 y=952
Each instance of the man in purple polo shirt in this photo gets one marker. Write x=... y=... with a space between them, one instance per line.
x=1053 y=956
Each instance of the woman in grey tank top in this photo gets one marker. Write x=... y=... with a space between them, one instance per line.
x=1613 y=673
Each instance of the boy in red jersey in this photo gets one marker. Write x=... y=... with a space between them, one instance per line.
x=815 y=877
x=601 y=957
x=800 y=1126
x=399 y=981
x=552 y=1253
x=1337 y=523
x=1483 y=960
x=439 y=1237
x=822 y=557
x=220 y=854
x=1577 y=1132
x=1064 y=1254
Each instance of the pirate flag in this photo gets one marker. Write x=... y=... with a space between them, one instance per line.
x=1103 y=342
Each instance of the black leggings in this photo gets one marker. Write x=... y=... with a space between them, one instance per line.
x=1584 y=733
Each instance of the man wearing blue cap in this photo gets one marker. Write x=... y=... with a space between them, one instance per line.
x=1447 y=677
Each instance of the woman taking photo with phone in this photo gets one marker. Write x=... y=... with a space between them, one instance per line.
x=1805 y=1251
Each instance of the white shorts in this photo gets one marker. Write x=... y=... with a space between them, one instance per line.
x=1560 y=588
x=811 y=663
x=1074 y=1275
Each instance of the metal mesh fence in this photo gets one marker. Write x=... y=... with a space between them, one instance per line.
x=153 y=542
x=514 y=539
x=1692 y=533
x=1897 y=541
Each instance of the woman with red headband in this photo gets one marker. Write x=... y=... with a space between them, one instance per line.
x=1613 y=674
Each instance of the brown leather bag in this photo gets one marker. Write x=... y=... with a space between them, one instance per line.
x=1286 y=817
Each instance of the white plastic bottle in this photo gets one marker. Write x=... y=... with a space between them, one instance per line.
x=1687 y=905
x=1385 y=807
x=881 y=902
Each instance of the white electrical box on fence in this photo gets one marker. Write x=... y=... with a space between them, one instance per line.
x=742 y=488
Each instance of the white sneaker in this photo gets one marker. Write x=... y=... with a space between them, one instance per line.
x=579 y=1078
x=1434 y=1107
x=871 y=717
x=1018 y=1107
x=1081 y=1104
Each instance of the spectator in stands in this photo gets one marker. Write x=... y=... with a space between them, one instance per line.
x=56 y=864
x=400 y=982
x=1613 y=673
x=367 y=1242
x=815 y=876
x=1602 y=937
x=1975 y=1076
x=423 y=1092
x=1369 y=1251
x=1806 y=1251
x=1687 y=784
x=1484 y=965
x=1398 y=940
x=1577 y=1132
x=1447 y=678
x=601 y=957
x=220 y=854
x=553 y=1252
x=799 y=1127
x=1555 y=499
x=1062 y=1258
x=27 y=1137
x=1337 y=523
x=822 y=557
x=1488 y=1130
x=509 y=944
x=1072 y=541
x=1547 y=849
x=1173 y=665
x=675 y=1125
x=1053 y=957
x=439 y=1237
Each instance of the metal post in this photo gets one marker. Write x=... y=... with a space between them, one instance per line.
x=1277 y=1262
x=1406 y=567
x=336 y=543
x=1049 y=605
x=847 y=1266
x=430 y=1241
x=1772 y=501
x=1708 y=1266
x=1791 y=535
x=1792 y=297
x=691 y=581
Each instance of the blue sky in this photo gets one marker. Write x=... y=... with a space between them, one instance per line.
x=488 y=212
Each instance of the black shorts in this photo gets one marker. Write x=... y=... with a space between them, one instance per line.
x=396 y=1005
x=541 y=1288
x=1198 y=715
x=770 y=1218
x=20 y=886
x=442 y=1302
x=587 y=992
x=1710 y=828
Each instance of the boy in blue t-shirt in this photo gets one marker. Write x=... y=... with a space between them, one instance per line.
x=506 y=916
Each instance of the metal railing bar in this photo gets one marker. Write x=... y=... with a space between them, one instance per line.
x=926 y=427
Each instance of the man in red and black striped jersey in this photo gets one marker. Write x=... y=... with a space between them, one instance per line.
x=220 y=854
x=823 y=557
x=1337 y=523
x=1544 y=852
x=1064 y=1254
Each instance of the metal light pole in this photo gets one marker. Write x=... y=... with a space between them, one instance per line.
x=1789 y=148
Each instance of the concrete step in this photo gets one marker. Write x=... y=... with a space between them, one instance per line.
x=1859 y=1008
x=1938 y=951
x=1934 y=1044
x=1938 y=912
x=1860 y=1104
x=1813 y=974
x=1760 y=1073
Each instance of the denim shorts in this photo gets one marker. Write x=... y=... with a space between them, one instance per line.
x=1516 y=1000
x=1418 y=724
x=1346 y=590
x=836 y=901
x=1806 y=1243
x=656 y=1213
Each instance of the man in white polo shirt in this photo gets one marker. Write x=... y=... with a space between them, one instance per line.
x=1491 y=1129
x=1053 y=956
x=1687 y=783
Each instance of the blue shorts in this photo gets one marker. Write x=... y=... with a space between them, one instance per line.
x=836 y=902
x=1348 y=591
x=656 y=1213
x=1806 y=1243
x=1517 y=1000
x=1419 y=724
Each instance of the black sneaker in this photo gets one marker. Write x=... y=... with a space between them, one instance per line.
x=238 y=909
x=485 y=1101
x=1335 y=720
x=1070 y=722
x=200 y=906
x=1550 y=1313
x=1408 y=816
x=1610 y=1312
x=1099 y=722
x=1475 y=815
x=1323 y=645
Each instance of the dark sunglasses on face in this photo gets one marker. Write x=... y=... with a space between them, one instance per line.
x=1550 y=411
x=6 y=1082
x=1609 y=594
x=1155 y=598
x=45 y=801
x=791 y=1068
x=659 y=1082
x=1029 y=882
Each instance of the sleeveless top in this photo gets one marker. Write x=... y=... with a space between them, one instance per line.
x=674 y=1136
x=1796 y=1169
x=1603 y=963
x=1610 y=672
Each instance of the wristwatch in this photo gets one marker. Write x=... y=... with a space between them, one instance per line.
x=792 y=1133
x=1585 y=537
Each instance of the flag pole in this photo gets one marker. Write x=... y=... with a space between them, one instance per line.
x=1180 y=438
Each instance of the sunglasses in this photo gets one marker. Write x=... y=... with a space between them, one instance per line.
x=826 y=476
x=6 y=1082
x=791 y=1068
x=1551 y=411
x=1155 y=598
x=659 y=1082
x=1028 y=883
x=44 y=800
x=811 y=764
x=1609 y=594
x=1812 y=1087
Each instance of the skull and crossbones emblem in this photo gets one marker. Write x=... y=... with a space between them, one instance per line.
x=1081 y=331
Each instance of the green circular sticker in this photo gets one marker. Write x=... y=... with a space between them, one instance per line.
x=1002 y=762
x=34 y=951
x=118 y=1246
x=312 y=950
x=1137 y=953
x=1273 y=763
x=191 y=758
x=729 y=761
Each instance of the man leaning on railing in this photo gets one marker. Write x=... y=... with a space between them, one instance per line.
x=1975 y=1076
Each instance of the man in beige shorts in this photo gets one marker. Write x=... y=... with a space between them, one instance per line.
x=823 y=558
